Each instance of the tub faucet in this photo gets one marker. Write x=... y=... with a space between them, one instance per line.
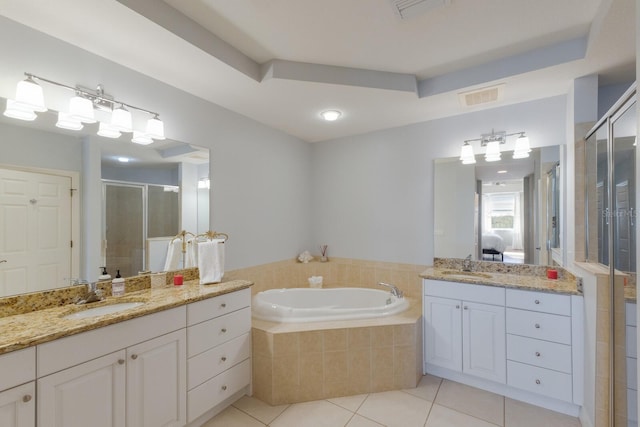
x=466 y=263
x=394 y=289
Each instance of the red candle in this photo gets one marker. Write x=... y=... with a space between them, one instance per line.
x=178 y=279
x=552 y=274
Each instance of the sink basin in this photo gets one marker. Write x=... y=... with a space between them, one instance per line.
x=465 y=274
x=104 y=309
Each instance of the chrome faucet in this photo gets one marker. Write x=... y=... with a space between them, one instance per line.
x=394 y=289
x=93 y=293
x=466 y=263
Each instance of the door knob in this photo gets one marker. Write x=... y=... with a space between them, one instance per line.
x=134 y=356
x=26 y=398
x=120 y=361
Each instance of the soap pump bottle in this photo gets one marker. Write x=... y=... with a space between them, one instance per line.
x=104 y=275
x=117 y=285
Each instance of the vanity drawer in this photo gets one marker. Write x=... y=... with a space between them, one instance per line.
x=543 y=326
x=544 y=354
x=210 y=363
x=206 y=335
x=217 y=306
x=539 y=301
x=217 y=389
x=17 y=367
x=550 y=383
x=493 y=295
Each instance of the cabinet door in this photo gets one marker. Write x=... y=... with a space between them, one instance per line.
x=443 y=332
x=89 y=394
x=484 y=341
x=156 y=382
x=18 y=406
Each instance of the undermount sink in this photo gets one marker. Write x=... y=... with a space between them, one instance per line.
x=465 y=274
x=104 y=309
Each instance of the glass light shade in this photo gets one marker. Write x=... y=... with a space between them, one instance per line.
x=141 y=138
x=81 y=109
x=204 y=183
x=65 y=121
x=107 y=131
x=522 y=148
x=466 y=155
x=155 y=128
x=493 y=151
x=121 y=119
x=17 y=110
x=29 y=94
x=331 y=115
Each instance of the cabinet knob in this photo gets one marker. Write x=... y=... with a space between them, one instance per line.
x=223 y=330
x=538 y=382
x=466 y=308
x=537 y=326
x=223 y=305
x=458 y=306
x=537 y=354
x=537 y=301
x=224 y=387
x=134 y=356
x=26 y=398
x=120 y=361
x=223 y=358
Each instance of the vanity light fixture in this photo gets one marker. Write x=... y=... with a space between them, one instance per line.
x=141 y=138
x=123 y=159
x=493 y=141
x=30 y=99
x=331 y=115
x=522 y=149
x=204 y=183
x=466 y=154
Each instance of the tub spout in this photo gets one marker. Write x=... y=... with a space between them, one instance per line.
x=393 y=288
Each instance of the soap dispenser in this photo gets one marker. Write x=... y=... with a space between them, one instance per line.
x=104 y=275
x=117 y=285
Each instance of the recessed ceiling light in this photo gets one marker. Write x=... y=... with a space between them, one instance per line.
x=123 y=159
x=502 y=171
x=331 y=115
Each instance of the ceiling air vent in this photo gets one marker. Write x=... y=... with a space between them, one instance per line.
x=481 y=96
x=408 y=8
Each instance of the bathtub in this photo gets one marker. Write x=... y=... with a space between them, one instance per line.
x=313 y=305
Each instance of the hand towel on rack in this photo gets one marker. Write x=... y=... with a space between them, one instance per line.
x=174 y=254
x=211 y=261
x=191 y=259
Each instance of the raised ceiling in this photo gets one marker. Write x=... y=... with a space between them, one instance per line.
x=281 y=62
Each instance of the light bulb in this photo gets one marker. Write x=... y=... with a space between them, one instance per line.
x=331 y=115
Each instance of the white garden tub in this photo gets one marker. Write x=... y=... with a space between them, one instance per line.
x=316 y=305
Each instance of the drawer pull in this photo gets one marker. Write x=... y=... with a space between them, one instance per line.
x=223 y=330
x=134 y=356
x=537 y=326
x=26 y=398
x=224 y=387
x=223 y=305
x=458 y=306
x=538 y=382
x=120 y=361
x=466 y=308
x=537 y=354
x=537 y=301
x=223 y=358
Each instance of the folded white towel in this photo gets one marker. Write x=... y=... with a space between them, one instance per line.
x=211 y=261
x=174 y=255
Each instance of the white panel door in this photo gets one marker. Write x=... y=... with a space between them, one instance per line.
x=443 y=332
x=483 y=341
x=35 y=231
x=18 y=406
x=89 y=394
x=156 y=382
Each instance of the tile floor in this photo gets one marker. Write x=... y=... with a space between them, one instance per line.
x=434 y=403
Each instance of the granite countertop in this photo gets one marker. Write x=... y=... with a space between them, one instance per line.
x=25 y=330
x=510 y=279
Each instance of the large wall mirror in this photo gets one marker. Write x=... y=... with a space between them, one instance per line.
x=161 y=190
x=505 y=211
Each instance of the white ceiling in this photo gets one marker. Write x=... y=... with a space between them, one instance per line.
x=281 y=62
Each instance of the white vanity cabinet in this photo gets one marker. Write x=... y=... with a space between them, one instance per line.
x=632 y=363
x=131 y=373
x=218 y=350
x=465 y=329
x=17 y=388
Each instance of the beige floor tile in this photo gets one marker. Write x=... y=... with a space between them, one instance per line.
x=352 y=403
x=264 y=412
x=319 y=413
x=472 y=401
x=233 y=417
x=360 y=421
x=520 y=414
x=441 y=416
x=427 y=388
x=395 y=409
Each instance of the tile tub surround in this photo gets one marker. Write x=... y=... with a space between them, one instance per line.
x=530 y=277
x=297 y=362
x=37 y=327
